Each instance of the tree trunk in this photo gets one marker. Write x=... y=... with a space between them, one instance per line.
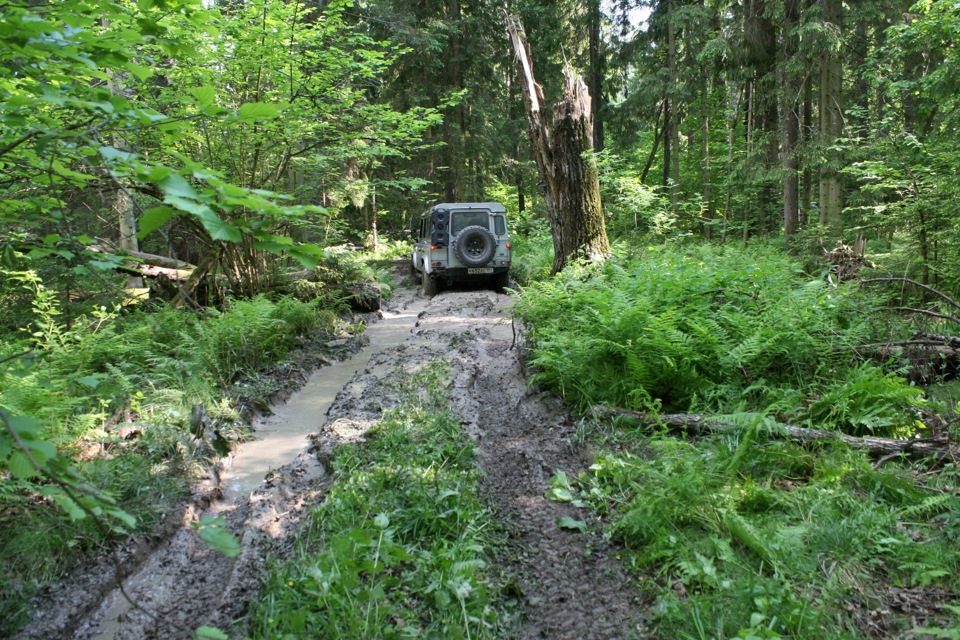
x=567 y=172
x=706 y=88
x=667 y=137
x=705 y=151
x=731 y=132
x=831 y=122
x=673 y=139
x=807 y=136
x=751 y=122
x=375 y=238
x=657 y=135
x=122 y=202
x=596 y=74
x=454 y=125
x=791 y=124
x=760 y=42
x=517 y=149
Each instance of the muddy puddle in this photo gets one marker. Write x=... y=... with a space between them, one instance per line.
x=282 y=436
x=571 y=583
x=246 y=504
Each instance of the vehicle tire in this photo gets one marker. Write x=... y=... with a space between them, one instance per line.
x=430 y=285
x=475 y=246
x=501 y=281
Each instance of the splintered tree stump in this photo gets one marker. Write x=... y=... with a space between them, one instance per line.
x=562 y=146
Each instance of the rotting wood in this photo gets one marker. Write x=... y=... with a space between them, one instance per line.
x=698 y=424
x=165 y=262
x=569 y=179
x=176 y=275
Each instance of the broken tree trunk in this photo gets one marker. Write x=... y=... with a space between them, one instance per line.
x=696 y=424
x=568 y=175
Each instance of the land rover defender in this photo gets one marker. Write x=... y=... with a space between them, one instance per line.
x=461 y=242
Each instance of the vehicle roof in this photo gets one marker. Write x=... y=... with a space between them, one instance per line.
x=492 y=206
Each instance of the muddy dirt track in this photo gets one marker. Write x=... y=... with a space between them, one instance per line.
x=571 y=583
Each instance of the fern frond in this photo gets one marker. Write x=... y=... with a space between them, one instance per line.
x=928 y=506
x=743 y=531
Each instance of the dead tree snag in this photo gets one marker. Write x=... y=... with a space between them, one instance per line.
x=568 y=175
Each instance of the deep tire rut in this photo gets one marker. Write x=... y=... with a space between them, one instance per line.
x=571 y=584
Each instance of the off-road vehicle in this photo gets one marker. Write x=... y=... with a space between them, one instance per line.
x=461 y=242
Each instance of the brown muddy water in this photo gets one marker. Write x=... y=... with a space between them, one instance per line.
x=282 y=436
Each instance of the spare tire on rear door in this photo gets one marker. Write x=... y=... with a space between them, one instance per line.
x=475 y=246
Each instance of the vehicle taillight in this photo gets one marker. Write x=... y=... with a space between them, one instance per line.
x=508 y=246
x=433 y=247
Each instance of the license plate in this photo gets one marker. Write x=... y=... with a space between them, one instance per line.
x=480 y=270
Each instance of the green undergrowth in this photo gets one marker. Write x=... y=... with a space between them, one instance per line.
x=743 y=535
x=399 y=546
x=120 y=409
x=532 y=255
x=740 y=536
x=342 y=265
x=717 y=330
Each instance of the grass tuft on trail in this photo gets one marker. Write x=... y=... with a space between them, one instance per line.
x=399 y=546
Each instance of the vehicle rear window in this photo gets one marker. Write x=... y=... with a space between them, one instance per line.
x=460 y=220
x=500 y=225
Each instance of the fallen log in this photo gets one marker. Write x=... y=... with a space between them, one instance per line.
x=697 y=424
x=931 y=356
x=152 y=259
x=310 y=275
x=177 y=275
x=165 y=262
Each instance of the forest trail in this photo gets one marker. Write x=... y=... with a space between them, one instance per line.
x=571 y=583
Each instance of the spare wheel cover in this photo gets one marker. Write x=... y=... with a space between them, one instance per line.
x=475 y=246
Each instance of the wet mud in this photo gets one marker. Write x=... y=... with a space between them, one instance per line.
x=570 y=583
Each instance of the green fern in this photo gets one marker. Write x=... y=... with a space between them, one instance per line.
x=743 y=532
x=929 y=506
x=736 y=333
x=867 y=401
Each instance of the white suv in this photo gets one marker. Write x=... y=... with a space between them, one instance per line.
x=462 y=242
